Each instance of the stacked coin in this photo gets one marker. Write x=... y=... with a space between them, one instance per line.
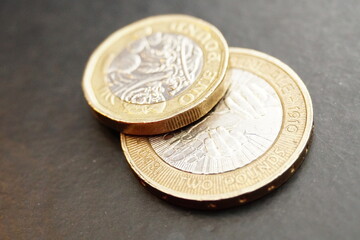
x=164 y=75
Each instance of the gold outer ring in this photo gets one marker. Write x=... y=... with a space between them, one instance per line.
x=187 y=107
x=245 y=184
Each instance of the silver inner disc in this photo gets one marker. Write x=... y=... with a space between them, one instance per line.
x=155 y=68
x=241 y=128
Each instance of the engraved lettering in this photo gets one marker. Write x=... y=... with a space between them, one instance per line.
x=229 y=180
x=280 y=152
x=287 y=88
x=274 y=160
x=252 y=173
x=207 y=184
x=275 y=74
x=294 y=114
x=292 y=128
x=198 y=89
x=195 y=183
x=211 y=45
x=154 y=166
x=204 y=37
x=264 y=166
x=187 y=98
x=213 y=57
x=240 y=179
x=294 y=121
x=145 y=156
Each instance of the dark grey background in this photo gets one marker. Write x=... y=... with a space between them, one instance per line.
x=63 y=175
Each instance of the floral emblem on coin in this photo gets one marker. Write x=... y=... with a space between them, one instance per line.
x=155 y=68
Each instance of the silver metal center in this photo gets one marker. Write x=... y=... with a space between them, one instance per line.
x=241 y=128
x=155 y=68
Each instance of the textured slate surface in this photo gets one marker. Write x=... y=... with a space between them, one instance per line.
x=63 y=176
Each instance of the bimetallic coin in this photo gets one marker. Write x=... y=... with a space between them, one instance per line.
x=157 y=75
x=250 y=143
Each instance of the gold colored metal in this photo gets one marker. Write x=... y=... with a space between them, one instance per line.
x=160 y=116
x=246 y=183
